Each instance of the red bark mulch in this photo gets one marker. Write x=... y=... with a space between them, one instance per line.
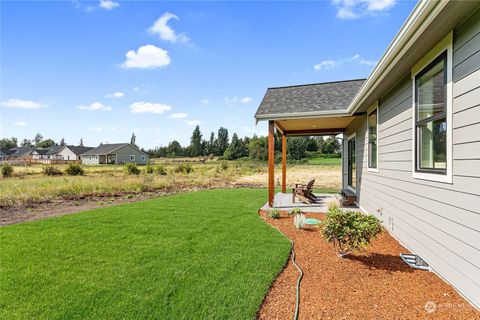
x=375 y=284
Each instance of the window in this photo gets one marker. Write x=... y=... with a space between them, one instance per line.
x=432 y=114
x=144 y=158
x=372 y=124
x=431 y=117
x=351 y=164
x=132 y=157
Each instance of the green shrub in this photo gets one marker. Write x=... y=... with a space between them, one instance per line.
x=224 y=165
x=74 y=169
x=51 y=170
x=132 y=169
x=349 y=231
x=149 y=169
x=273 y=213
x=7 y=170
x=184 y=168
x=160 y=170
x=295 y=211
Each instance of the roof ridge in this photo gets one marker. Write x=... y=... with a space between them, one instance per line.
x=317 y=83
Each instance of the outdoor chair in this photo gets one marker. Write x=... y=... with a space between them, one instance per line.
x=304 y=192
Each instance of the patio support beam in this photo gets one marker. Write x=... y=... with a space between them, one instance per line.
x=284 y=163
x=271 y=162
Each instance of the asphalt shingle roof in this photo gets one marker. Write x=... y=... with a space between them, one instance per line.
x=105 y=149
x=79 y=149
x=328 y=96
x=21 y=151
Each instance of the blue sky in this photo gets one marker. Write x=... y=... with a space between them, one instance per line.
x=101 y=70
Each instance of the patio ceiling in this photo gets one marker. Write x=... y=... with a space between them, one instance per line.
x=313 y=126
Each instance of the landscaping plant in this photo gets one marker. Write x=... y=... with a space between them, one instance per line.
x=274 y=213
x=7 y=170
x=74 y=169
x=132 y=169
x=295 y=211
x=349 y=231
x=160 y=170
x=149 y=169
x=184 y=168
x=51 y=170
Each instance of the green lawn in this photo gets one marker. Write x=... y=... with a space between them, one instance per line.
x=324 y=161
x=198 y=255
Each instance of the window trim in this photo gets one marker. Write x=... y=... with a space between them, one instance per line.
x=369 y=112
x=143 y=158
x=444 y=47
x=132 y=157
x=353 y=136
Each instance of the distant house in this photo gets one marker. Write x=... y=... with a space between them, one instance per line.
x=21 y=152
x=115 y=153
x=5 y=153
x=50 y=153
x=72 y=152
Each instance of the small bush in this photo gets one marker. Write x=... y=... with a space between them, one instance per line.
x=274 y=213
x=7 y=170
x=149 y=169
x=295 y=211
x=184 y=168
x=132 y=169
x=51 y=170
x=224 y=165
x=74 y=169
x=349 y=231
x=160 y=170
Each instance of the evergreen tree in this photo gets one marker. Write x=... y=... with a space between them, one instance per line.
x=296 y=147
x=210 y=145
x=62 y=142
x=196 y=145
x=174 y=149
x=311 y=144
x=26 y=143
x=81 y=142
x=38 y=138
x=236 y=149
x=47 y=143
x=222 y=141
x=132 y=139
x=332 y=145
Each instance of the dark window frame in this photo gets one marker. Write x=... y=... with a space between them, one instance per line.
x=418 y=123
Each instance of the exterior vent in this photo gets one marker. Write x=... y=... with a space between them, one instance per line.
x=415 y=261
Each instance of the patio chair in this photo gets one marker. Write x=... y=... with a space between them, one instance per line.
x=304 y=192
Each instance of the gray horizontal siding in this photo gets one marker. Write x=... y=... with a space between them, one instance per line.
x=439 y=221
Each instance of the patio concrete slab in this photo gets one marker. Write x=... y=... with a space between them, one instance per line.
x=284 y=201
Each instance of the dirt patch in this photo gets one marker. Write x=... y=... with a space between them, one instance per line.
x=74 y=204
x=375 y=284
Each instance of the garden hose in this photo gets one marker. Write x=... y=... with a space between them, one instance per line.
x=300 y=276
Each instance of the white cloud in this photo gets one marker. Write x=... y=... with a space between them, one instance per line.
x=117 y=94
x=326 y=64
x=353 y=9
x=368 y=62
x=166 y=33
x=248 y=129
x=108 y=4
x=96 y=129
x=178 y=115
x=23 y=104
x=20 y=124
x=96 y=106
x=146 y=57
x=204 y=101
x=329 y=64
x=237 y=100
x=148 y=107
x=193 y=122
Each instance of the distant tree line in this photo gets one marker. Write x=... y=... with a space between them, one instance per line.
x=255 y=147
x=38 y=142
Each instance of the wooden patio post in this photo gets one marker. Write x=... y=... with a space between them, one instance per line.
x=284 y=163
x=271 y=162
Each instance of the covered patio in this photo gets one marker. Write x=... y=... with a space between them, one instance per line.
x=306 y=110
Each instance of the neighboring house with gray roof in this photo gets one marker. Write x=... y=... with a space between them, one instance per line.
x=114 y=153
x=50 y=153
x=21 y=152
x=5 y=153
x=72 y=152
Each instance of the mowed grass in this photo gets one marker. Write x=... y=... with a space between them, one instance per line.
x=198 y=255
x=325 y=161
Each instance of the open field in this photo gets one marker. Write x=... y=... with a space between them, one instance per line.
x=197 y=255
x=29 y=186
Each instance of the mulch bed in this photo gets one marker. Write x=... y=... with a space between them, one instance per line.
x=375 y=284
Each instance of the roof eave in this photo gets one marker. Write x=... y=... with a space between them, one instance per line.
x=301 y=115
x=422 y=15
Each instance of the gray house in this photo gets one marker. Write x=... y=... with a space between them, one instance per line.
x=116 y=153
x=21 y=153
x=411 y=137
